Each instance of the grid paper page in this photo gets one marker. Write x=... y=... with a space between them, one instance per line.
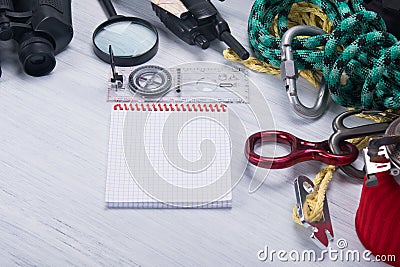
x=169 y=159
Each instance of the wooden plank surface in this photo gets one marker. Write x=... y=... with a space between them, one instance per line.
x=53 y=158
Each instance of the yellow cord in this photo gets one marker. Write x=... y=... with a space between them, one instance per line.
x=255 y=64
x=314 y=204
x=300 y=14
x=305 y=14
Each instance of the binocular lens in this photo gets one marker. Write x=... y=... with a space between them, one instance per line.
x=37 y=56
x=37 y=59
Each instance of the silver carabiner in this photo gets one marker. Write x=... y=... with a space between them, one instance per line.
x=290 y=74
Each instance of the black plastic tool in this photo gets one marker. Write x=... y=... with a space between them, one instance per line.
x=201 y=25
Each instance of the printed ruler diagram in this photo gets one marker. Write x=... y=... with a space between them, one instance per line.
x=190 y=82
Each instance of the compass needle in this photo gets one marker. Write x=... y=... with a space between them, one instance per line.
x=150 y=81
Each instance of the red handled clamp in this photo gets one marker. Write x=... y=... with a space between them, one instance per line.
x=301 y=151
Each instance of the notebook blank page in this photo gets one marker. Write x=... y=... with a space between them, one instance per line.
x=169 y=159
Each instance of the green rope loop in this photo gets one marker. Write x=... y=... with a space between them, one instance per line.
x=359 y=47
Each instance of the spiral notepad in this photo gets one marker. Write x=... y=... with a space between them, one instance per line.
x=167 y=155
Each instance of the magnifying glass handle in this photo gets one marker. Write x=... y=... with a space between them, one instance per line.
x=108 y=8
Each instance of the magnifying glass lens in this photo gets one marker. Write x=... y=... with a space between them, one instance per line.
x=133 y=41
x=126 y=37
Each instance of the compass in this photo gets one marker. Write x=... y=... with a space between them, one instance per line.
x=150 y=81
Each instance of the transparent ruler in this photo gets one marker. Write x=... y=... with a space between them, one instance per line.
x=189 y=82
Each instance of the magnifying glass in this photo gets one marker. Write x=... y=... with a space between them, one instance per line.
x=133 y=40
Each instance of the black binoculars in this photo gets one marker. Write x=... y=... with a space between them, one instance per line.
x=42 y=29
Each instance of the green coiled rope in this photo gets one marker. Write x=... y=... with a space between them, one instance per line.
x=359 y=48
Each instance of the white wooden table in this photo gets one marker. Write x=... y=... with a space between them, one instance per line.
x=53 y=158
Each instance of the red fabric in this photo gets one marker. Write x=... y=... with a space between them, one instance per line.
x=378 y=217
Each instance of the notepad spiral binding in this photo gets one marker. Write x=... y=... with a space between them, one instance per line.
x=154 y=107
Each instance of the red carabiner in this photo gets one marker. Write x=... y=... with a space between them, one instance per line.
x=301 y=150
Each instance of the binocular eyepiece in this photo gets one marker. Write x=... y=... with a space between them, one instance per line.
x=42 y=29
x=36 y=55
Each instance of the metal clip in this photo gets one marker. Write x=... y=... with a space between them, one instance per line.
x=342 y=132
x=377 y=158
x=322 y=231
x=289 y=74
x=375 y=164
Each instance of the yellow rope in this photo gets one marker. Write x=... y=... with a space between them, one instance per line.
x=314 y=204
x=260 y=66
x=305 y=14
x=300 y=14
